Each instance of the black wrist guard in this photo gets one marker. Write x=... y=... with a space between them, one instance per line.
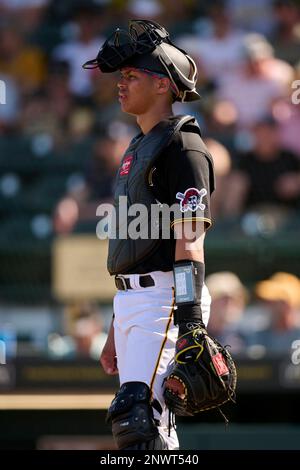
x=189 y=280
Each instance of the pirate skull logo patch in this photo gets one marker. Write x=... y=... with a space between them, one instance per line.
x=191 y=200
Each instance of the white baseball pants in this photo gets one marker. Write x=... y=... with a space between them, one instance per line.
x=145 y=337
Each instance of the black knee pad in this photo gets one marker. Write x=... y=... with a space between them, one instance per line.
x=133 y=424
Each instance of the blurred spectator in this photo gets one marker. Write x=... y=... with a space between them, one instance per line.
x=86 y=44
x=38 y=119
x=102 y=168
x=288 y=117
x=229 y=299
x=50 y=112
x=222 y=165
x=85 y=337
x=186 y=10
x=80 y=124
x=30 y=11
x=286 y=37
x=217 y=46
x=22 y=62
x=66 y=215
x=287 y=113
x=267 y=175
x=252 y=15
x=81 y=202
x=59 y=96
x=281 y=295
x=147 y=9
x=257 y=84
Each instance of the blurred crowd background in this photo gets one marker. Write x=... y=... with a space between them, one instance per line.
x=62 y=136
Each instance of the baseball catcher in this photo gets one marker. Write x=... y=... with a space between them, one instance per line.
x=166 y=163
x=204 y=374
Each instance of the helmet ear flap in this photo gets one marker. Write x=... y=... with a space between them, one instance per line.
x=181 y=69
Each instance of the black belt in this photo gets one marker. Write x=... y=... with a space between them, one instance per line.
x=123 y=283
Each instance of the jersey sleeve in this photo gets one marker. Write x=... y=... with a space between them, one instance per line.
x=190 y=181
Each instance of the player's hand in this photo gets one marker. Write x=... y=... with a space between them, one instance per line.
x=108 y=358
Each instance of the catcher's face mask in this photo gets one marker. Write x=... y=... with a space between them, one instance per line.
x=147 y=45
x=143 y=37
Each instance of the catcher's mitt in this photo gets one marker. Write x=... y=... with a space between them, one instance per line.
x=204 y=375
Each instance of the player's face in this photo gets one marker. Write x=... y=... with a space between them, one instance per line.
x=136 y=91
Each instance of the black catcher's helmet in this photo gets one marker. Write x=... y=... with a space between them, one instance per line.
x=147 y=46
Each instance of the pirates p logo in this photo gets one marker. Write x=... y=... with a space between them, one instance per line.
x=191 y=200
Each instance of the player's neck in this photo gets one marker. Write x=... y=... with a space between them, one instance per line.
x=152 y=117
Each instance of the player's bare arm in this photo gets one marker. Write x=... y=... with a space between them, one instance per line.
x=190 y=241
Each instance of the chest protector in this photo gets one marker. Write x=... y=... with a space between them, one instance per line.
x=132 y=181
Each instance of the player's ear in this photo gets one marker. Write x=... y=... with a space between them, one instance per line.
x=163 y=85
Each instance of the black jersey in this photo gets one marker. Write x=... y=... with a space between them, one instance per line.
x=176 y=172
